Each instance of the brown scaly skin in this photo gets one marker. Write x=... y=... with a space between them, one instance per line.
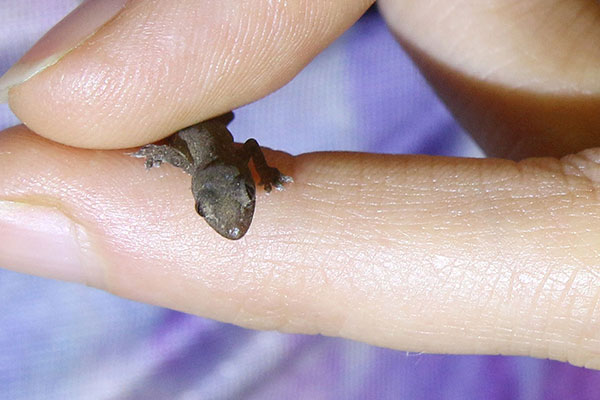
x=222 y=184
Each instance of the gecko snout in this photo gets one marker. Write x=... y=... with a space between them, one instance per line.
x=225 y=198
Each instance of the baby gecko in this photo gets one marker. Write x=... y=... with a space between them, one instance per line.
x=222 y=183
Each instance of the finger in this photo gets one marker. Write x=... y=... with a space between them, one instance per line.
x=522 y=77
x=414 y=253
x=156 y=67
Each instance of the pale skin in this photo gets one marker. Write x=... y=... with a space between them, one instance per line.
x=444 y=255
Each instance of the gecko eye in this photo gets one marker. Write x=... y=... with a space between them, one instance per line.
x=199 y=210
x=251 y=191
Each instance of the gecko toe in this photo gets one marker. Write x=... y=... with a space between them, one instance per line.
x=277 y=181
x=283 y=179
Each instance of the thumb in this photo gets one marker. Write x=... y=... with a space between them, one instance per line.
x=156 y=67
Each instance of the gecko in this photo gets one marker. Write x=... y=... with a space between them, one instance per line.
x=222 y=184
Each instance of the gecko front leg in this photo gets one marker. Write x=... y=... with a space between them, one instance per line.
x=269 y=176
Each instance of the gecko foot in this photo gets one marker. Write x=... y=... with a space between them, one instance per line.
x=156 y=154
x=271 y=177
x=150 y=153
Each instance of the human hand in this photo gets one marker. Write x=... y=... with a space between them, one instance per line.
x=415 y=253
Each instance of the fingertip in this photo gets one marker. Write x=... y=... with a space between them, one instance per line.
x=67 y=34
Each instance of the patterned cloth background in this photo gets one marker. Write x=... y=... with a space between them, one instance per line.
x=64 y=341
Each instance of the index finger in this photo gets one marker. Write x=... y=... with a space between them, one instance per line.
x=418 y=253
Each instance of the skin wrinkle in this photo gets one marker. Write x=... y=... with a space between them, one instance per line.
x=79 y=230
x=247 y=312
x=548 y=314
x=283 y=314
x=578 y=327
x=581 y=166
x=579 y=342
x=587 y=343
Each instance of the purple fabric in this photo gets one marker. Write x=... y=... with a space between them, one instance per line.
x=64 y=341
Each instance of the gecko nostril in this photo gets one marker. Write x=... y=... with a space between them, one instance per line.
x=200 y=211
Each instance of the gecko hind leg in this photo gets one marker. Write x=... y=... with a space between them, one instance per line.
x=156 y=154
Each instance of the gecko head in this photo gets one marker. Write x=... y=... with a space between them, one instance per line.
x=225 y=199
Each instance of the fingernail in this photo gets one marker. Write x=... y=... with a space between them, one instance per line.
x=43 y=241
x=69 y=33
